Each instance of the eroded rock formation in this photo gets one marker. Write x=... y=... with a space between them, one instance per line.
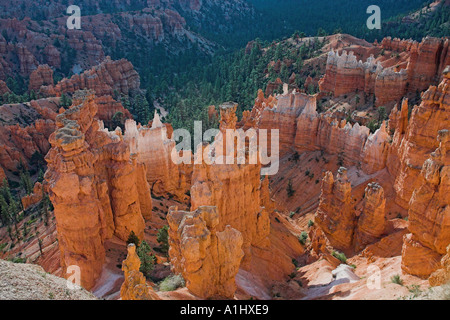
x=429 y=214
x=42 y=76
x=103 y=79
x=372 y=221
x=33 y=198
x=415 y=139
x=416 y=66
x=154 y=148
x=207 y=258
x=135 y=287
x=93 y=186
x=442 y=275
x=335 y=214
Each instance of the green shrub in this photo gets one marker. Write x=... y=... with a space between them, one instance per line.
x=303 y=237
x=397 y=280
x=340 y=255
x=290 y=191
x=310 y=223
x=172 y=283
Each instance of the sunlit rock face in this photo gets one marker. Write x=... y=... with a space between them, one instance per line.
x=418 y=66
x=134 y=287
x=207 y=258
x=103 y=79
x=415 y=139
x=372 y=221
x=335 y=214
x=429 y=214
x=93 y=184
x=235 y=189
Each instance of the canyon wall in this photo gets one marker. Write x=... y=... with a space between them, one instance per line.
x=154 y=148
x=414 y=139
x=103 y=79
x=410 y=68
x=429 y=214
x=302 y=128
x=93 y=184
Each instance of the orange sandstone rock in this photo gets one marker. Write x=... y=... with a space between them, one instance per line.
x=442 y=275
x=93 y=187
x=42 y=76
x=135 y=287
x=429 y=214
x=154 y=149
x=372 y=221
x=411 y=145
x=335 y=214
x=33 y=198
x=207 y=258
x=103 y=79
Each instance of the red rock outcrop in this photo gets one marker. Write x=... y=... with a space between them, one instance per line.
x=34 y=197
x=207 y=258
x=93 y=186
x=411 y=68
x=335 y=215
x=277 y=85
x=345 y=74
x=135 y=287
x=108 y=108
x=235 y=189
x=2 y=176
x=390 y=86
x=3 y=88
x=302 y=128
x=25 y=131
x=429 y=214
x=372 y=220
x=154 y=149
x=42 y=76
x=442 y=275
x=103 y=79
x=415 y=139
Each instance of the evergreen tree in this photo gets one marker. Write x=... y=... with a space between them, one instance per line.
x=147 y=258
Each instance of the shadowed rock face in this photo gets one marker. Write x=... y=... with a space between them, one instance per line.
x=93 y=185
x=208 y=259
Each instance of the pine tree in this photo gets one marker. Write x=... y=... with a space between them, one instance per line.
x=163 y=238
x=147 y=258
